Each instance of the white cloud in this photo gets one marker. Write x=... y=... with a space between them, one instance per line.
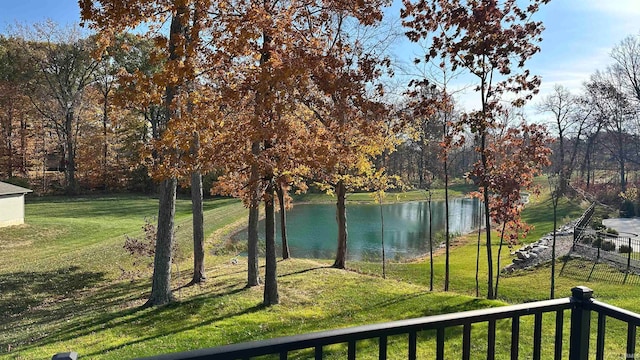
x=572 y=72
x=622 y=8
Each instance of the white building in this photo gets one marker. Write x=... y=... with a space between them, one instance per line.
x=12 y=204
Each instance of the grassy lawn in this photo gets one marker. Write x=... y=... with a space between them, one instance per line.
x=62 y=287
x=457 y=190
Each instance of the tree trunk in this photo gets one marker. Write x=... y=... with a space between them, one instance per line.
x=553 y=246
x=23 y=144
x=341 y=218
x=487 y=218
x=446 y=225
x=478 y=252
x=161 y=285
x=9 y=145
x=561 y=168
x=283 y=222
x=105 y=146
x=384 y=257
x=621 y=162
x=499 y=252
x=253 y=267
x=623 y=179
x=430 y=245
x=270 y=278
x=198 y=228
x=70 y=166
x=421 y=180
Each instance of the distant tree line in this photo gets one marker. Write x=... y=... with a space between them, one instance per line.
x=598 y=129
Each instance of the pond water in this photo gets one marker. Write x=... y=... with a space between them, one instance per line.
x=312 y=231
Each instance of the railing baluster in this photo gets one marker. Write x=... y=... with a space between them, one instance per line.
x=537 y=336
x=491 y=340
x=602 y=324
x=412 y=345
x=581 y=305
x=382 y=348
x=559 y=327
x=352 y=350
x=440 y=344
x=580 y=323
x=466 y=341
x=515 y=337
x=631 y=341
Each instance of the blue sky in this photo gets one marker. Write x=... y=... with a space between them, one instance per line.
x=578 y=38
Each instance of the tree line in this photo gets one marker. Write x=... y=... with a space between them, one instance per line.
x=598 y=128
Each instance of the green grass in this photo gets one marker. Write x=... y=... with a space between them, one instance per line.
x=62 y=287
x=457 y=190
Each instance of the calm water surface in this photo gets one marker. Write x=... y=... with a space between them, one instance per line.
x=312 y=230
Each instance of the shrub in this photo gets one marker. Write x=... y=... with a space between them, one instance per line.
x=627 y=209
x=596 y=223
x=597 y=242
x=612 y=231
x=608 y=245
x=588 y=239
x=624 y=249
x=142 y=250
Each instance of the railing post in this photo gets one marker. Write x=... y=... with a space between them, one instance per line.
x=580 y=323
x=629 y=255
x=72 y=355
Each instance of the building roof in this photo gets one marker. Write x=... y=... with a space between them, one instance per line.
x=8 y=189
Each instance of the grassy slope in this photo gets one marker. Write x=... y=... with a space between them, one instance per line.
x=61 y=290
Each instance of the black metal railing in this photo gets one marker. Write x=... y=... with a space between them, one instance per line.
x=581 y=306
x=583 y=223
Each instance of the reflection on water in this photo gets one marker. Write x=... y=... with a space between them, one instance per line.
x=312 y=229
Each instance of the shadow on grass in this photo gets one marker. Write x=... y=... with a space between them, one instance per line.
x=98 y=307
x=175 y=311
x=42 y=297
x=96 y=310
x=303 y=270
x=26 y=290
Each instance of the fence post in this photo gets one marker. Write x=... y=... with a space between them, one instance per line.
x=580 y=323
x=629 y=255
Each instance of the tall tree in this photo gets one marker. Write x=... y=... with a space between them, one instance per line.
x=169 y=85
x=568 y=121
x=490 y=39
x=613 y=110
x=626 y=57
x=66 y=70
x=434 y=107
x=293 y=54
x=16 y=71
x=515 y=157
x=353 y=118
